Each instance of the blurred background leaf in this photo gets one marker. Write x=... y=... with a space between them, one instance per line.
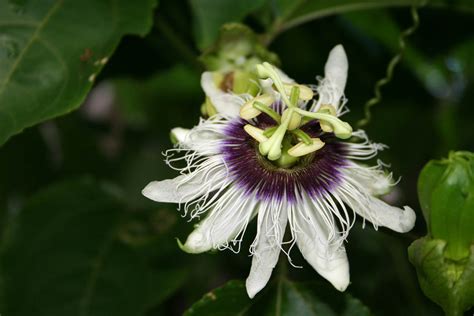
x=65 y=256
x=51 y=52
x=283 y=298
x=210 y=15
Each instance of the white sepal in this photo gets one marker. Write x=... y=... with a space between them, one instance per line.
x=225 y=224
x=320 y=242
x=271 y=223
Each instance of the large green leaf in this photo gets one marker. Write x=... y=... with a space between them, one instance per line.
x=65 y=257
x=210 y=15
x=52 y=50
x=284 y=298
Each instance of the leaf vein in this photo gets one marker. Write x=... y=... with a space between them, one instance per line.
x=34 y=37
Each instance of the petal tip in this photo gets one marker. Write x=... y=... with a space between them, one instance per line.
x=148 y=191
x=408 y=220
x=253 y=287
x=338 y=277
x=179 y=134
x=195 y=243
x=337 y=63
x=335 y=70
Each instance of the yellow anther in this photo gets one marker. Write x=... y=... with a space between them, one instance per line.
x=329 y=109
x=302 y=149
x=248 y=111
x=306 y=93
x=256 y=133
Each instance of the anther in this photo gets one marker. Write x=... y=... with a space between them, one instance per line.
x=302 y=149
x=256 y=133
x=327 y=109
x=306 y=93
x=248 y=111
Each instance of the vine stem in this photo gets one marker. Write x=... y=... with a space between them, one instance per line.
x=391 y=67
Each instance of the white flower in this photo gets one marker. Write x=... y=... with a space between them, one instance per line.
x=284 y=164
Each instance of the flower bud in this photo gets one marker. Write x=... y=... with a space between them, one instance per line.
x=444 y=259
x=446 y=192
x=245 y=82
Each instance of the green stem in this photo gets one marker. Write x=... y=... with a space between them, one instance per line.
x=303 y=136
x=267 y=110
x=390 y=68
x=269 y=131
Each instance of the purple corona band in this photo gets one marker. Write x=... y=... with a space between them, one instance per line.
x=316 y=175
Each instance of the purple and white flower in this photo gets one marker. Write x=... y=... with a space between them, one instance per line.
x=284 y=157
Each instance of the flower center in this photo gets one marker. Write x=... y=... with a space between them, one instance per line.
x=314 y=173
x=286 y=142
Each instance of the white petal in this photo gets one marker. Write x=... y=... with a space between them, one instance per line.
x=267 y=245
x=225 y=103
x=184 y=188
x=227 y=220
x=331 y=88
x=180 y=133
x=318 y=240
x=167 y=190
x=202 y=140
x=377 y=211
x=375 y=180
x=336 y=68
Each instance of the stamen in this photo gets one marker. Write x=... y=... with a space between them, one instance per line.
x=294 y=119
x=272 y=147
x=327 y=109
x=266 y=70
x=306 y=93
x=248 y=111
x=265 y=109
x=294 y=95
x=256 y=133
x=341 y=129
x=302 y=149
x=303 y=136
x=286 y=160
x=269 y=131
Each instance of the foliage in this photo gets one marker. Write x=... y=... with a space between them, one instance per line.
x=77 y=237
x=284 y=298
x=43 y=72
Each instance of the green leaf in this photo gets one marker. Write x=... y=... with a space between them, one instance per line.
x=290 y=13
x=230 y=299
x=449 y=283
x=52 y=50
x=210 y=15
x=285 y=298
x=65 y=257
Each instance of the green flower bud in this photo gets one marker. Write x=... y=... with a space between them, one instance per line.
x=446 y=192
x=237 y=47
x=245 y=82
x=444 y=259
